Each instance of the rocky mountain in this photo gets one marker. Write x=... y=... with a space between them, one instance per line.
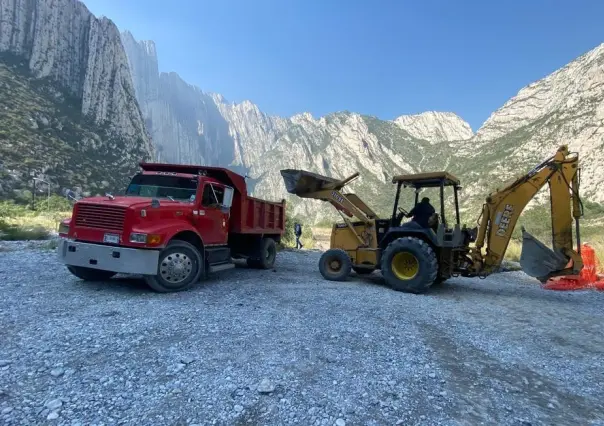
x=190 y=126
x=435 y=126
x=68 y=111
x=565 y=107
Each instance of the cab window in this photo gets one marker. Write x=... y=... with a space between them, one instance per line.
x=213 y=195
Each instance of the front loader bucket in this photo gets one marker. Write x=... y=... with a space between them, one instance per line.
x=301 y=182
x=538 y=260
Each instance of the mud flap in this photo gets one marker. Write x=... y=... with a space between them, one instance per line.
x=539 y=261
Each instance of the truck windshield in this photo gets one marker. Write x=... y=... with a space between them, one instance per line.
x=162 y=186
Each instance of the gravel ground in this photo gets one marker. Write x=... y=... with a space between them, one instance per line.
x=284 y=346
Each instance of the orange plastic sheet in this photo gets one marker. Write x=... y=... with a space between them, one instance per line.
x=587 y=279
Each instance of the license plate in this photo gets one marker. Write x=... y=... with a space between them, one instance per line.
x=111 y=239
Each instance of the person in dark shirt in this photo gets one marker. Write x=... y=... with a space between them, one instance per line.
x=421 y=212
x=298 y=233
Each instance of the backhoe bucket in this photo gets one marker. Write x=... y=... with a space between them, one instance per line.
x=301 y=182
x=539 y=261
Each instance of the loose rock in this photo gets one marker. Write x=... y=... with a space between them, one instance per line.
x=53 y=416
x=54 y=404
x=266 y=386
x=56 y=372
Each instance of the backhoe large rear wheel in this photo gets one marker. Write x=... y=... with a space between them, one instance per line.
x=409 y=264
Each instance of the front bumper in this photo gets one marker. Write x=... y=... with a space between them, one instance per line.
x=108 y=258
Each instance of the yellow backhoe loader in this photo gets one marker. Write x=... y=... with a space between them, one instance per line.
x=413 y=258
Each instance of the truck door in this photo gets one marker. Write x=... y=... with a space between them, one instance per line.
x=213 y=222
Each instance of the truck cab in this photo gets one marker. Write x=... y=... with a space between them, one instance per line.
x=173 y=225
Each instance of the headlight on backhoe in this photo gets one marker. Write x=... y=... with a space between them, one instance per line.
x=140 y=238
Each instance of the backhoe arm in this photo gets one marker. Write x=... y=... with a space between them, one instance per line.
x=503 y=208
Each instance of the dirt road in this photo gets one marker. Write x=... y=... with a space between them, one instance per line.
x=285 y=347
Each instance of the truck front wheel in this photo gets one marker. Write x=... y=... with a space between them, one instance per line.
x=89 y=274
x=180 y=266
x=265 y=256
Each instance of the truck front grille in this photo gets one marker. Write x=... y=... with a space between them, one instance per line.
x=100 y=216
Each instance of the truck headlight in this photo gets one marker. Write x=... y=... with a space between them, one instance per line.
x=138 y=238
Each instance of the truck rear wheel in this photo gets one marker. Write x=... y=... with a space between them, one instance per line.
x=89 y=274
x=335 y=265
x=180 y=266
x=265 y=256
x=409 y=264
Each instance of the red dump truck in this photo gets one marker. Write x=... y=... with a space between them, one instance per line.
x=173 y=225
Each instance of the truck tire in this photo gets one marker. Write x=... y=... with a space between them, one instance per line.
x=265 y=256
x=180 y=266
x=409 y=264
x=335 y=265
x=89 y=274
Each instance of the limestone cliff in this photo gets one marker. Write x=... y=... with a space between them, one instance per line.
x=435 y=126
x=58 y=53
x=190 y=126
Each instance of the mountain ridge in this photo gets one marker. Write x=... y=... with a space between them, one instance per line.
x=341 y=143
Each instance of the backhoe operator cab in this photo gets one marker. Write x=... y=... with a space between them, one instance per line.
x=416 y=257
x=442 y=232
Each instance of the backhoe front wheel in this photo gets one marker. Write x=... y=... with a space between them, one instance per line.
x=335 y=265
x=410 y=265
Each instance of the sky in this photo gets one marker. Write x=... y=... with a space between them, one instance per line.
x=381 y=57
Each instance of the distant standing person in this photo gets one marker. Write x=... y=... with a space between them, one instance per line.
x=298 y=233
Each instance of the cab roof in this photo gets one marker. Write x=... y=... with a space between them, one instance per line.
x=221 y=174
x=427 y=180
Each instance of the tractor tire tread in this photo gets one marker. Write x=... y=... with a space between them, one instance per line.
x=342 y=256
x=428 y=265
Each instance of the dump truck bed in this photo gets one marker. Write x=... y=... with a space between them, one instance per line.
x=250 y=215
